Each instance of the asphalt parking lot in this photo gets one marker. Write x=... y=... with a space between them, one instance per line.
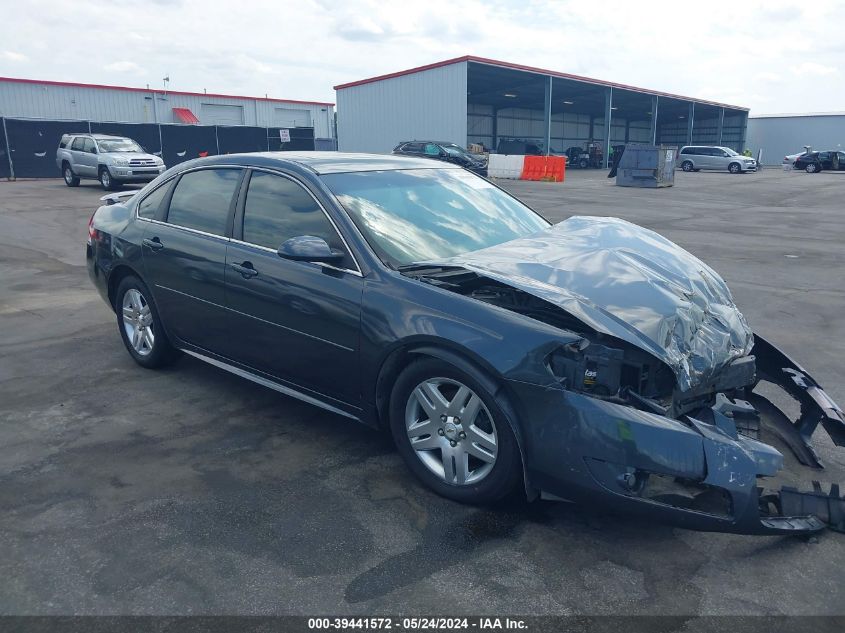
x=191 y=491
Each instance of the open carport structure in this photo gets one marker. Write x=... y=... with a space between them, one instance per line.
x=476 y=100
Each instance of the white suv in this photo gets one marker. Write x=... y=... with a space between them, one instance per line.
x=696 y=157
x=113 y=160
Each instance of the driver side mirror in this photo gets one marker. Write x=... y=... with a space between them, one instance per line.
x=308 y=248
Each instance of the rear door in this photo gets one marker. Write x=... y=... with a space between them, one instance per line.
x=298 y=321
x=184 y=254
x=825 y=160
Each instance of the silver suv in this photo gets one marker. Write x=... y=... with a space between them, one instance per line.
x=696 y=157
x=113 y=160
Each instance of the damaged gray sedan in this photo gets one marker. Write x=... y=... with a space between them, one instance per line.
x=590 y=361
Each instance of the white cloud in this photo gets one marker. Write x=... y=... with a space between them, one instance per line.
x=13 y=56
x=814 y=68
x=299 y=49
x=124 y=67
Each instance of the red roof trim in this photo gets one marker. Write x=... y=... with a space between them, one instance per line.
x=532 y=69
x=148 y=90
x=185 y=115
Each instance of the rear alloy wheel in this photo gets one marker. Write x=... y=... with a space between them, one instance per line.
x=452 y=433
x=734 y=168
x=70 y=179
x=811 y=168
x=687 y=166
x=106 y=180
x=140 y=326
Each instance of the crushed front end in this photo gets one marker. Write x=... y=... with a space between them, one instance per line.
x=688 y=438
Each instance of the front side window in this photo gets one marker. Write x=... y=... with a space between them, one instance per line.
x=202 y=200
x=431 y=149
x=278 y=209
x=148 y=207
x=78 y=144
x=88 y=146
x=418 y=215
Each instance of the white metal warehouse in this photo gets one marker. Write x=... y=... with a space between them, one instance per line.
x=779 y=135
x=476 y=100
x=35 y=99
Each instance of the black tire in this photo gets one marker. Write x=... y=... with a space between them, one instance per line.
x=812 y=168
x=687 y=166
x=583 y=163
x=162 y=353
x=71 y=179
x=506 y=475
x=735 y=168
x=108 y=183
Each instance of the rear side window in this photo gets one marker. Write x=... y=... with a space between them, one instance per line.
x=149 y=205
x=278 y=209
x=202 y=200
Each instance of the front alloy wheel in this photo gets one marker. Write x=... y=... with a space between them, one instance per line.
x=138 y=322
x=451 y=431
x=106 y=179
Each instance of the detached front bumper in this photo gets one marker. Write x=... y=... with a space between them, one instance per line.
x=696 y=473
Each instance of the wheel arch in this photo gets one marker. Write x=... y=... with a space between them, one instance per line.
x=462 y=359
x=116 y=275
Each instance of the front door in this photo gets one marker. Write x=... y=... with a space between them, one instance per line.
x=184 y=254
x=298 y=321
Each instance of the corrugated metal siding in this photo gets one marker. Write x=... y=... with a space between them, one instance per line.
x=47 y=101
x=431 y=104
x=781 y=136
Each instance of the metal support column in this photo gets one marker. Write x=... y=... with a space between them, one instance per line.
x=547 y=115
x=608 y=105
x=691 y=117
x=655 y=103
x=743 y=133
x=495 y=129
x=8 y=151
x=721 y=125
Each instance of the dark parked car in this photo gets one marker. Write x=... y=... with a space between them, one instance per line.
x=591 y=361
x=448 y=152
x=815 y=162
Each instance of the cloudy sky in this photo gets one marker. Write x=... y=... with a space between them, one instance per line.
x=771 y=56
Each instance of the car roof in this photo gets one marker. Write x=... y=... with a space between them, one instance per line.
x=99 y=137
x=326 y=162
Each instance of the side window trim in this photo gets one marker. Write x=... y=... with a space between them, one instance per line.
x=164 y=210
x=162 y=204
x=237 y=232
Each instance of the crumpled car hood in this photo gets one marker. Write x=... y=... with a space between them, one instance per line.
x=629 y=282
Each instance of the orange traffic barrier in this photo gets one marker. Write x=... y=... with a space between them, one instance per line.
x=548 y=168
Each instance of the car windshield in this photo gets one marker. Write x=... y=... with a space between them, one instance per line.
x=418 y=215
x=730 y=151
x=457 y=150
x=107 y=146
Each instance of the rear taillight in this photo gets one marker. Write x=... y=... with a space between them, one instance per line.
x=92 y=232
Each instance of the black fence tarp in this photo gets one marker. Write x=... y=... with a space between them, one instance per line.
x=235 y=139
x=186 y=142
x=145 y=134
x=301 y=139
x=4 y=154
x=33 y=144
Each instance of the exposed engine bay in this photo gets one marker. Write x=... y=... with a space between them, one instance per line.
x=724 y=409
